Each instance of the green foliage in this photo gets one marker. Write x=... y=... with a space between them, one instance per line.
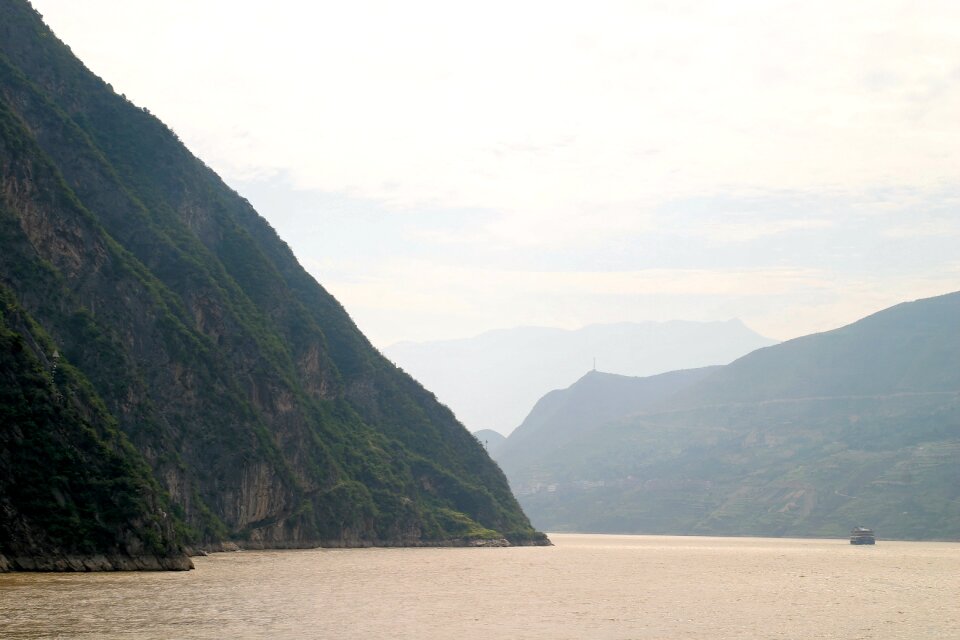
x=743 y=452
x=242 y=384
x=69 y=481
x=458 y=525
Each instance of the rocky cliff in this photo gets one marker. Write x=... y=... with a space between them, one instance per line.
x=73 y=495
x=263 y=414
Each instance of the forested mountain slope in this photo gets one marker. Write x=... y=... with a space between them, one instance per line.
x=912 y=347
x=570 y=415
x=263 y=413
x=860 y=425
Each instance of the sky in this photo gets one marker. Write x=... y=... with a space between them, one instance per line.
x=446 y=168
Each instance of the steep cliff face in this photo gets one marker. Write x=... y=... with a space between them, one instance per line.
x=261 y=409
x=73 y=494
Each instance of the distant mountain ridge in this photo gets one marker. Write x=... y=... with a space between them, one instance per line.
x=491 y=381
x=911 y=347
x=860 y=425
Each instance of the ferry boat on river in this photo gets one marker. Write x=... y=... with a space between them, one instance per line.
x=862 y=535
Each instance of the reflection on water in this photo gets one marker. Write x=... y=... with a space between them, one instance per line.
x=586 y=586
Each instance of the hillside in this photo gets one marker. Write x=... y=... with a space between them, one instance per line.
x=860 y=425
x=492 y=380
x=911 y=347
x=567 y=415
x=72 y=495
x=263 y=414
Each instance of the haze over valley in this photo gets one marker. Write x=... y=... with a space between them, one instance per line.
x=492 y=380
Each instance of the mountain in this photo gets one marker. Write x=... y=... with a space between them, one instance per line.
x=174 y=377
x=909 y=348
x=860 y=425
x=69 y=476
x=568 y=415
x=491 y=381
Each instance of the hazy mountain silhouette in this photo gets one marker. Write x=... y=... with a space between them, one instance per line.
x=491 y=381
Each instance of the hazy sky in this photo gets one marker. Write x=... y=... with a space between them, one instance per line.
x=445 y=168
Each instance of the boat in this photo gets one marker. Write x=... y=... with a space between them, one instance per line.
x=862 y=535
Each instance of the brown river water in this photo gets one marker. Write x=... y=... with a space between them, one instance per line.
x=587 y=586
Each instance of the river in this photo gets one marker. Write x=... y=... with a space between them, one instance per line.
x=587 y=586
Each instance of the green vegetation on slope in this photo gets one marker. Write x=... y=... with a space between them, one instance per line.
x=855 y=426
x=261 y=409
x=911 y=347
x=565 y=415
x=70 y=483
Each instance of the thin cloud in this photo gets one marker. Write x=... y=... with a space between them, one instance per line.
x=354 y=96
x=750 y=231
x=790 y=163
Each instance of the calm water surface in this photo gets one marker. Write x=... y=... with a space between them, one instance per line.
x=587 y=586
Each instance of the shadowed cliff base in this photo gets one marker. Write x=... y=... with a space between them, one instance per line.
x=82 y=564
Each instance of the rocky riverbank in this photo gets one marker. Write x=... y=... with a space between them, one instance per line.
x=78 y=563
x=73 y=563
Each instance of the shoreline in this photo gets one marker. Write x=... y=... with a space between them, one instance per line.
x=70 y=563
